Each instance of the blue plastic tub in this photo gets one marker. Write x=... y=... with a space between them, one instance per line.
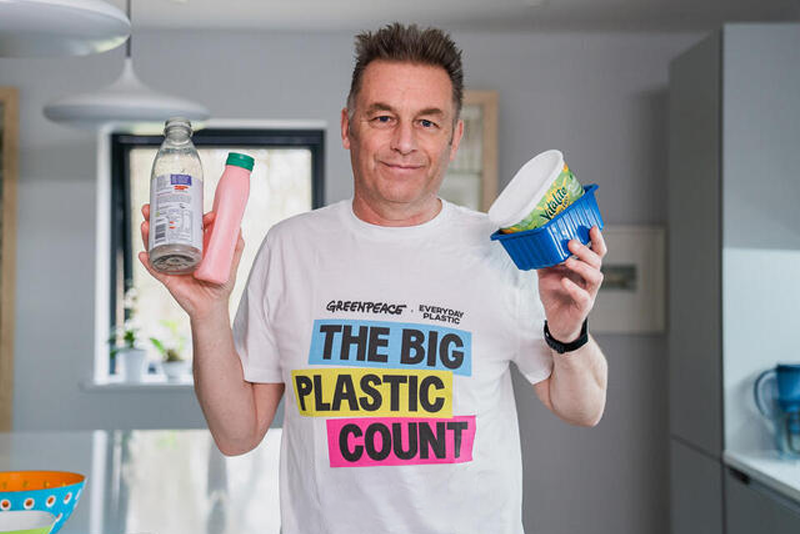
x=547 y=245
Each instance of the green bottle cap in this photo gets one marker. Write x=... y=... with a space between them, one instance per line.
x=240 y=160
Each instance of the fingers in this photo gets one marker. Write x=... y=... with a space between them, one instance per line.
x=584 y=253
x=553 y=270
x=237 y=253
x=598 y=243
x=591 y=275
x=145 y=227
x=577 y=293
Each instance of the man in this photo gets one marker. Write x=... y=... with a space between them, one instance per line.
x=393 y=319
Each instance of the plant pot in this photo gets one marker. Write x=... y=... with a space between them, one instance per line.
x=133 y=364
x=176 y=370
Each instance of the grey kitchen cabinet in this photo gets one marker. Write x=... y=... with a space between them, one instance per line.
x=733 y=191
x=695 y=351
x=752 y=508
x=695 y=221
x=696 y=483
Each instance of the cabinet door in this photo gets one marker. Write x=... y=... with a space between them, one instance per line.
x=751 y=507
x=695 y=359
x=761 y=136
x=695 y=491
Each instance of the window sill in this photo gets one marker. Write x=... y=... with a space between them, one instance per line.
x=149 y=384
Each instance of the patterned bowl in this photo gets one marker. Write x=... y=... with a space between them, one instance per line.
x=26 y=522
x=56 y=492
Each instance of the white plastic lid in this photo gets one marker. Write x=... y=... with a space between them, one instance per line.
x=526 y=189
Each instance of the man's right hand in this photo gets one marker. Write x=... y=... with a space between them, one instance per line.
x=198 y=297
x=238 y=412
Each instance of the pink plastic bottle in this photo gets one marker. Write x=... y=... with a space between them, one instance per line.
x=230 y=200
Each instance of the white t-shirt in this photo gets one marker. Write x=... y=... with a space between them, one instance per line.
x=394 y=345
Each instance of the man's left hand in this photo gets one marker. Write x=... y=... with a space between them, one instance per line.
x=568 y=290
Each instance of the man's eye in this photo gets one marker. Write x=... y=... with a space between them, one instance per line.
x=427 y=124
x=382 y=119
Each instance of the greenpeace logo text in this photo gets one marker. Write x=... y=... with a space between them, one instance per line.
x=365 y=307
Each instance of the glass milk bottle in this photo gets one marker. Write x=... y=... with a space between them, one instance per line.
x=176 y=202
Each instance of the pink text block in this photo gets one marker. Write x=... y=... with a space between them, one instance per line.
x=371 y=441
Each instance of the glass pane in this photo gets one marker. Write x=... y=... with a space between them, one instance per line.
x=470 y=152
x=462 y=184
x=2 y=166
x=462 y=189
x=280 y=186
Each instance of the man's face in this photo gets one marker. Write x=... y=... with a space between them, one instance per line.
x=401 y=136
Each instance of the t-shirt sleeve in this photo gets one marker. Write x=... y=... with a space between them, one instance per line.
x=253 y=336
x=533 y=356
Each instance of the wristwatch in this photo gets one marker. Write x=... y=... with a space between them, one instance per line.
x=560 y=347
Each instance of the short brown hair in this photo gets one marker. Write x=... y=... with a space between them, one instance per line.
x=399 y=43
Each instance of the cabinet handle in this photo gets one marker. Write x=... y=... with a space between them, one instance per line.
x=740 y=476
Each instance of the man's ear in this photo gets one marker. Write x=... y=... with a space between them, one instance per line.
x=345 y=129
x=457 y=135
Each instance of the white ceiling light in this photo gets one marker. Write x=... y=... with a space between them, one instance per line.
x=42 y=28
x=127 y=101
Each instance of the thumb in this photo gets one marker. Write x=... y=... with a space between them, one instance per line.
x=238 y=251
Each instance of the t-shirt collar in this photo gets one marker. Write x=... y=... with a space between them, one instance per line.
x=395 y=232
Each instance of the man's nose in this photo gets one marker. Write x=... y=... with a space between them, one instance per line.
x=404 y=138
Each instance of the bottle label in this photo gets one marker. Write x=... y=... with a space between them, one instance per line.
x=177 y=201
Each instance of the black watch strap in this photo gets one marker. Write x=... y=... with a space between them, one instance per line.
x=560 y=347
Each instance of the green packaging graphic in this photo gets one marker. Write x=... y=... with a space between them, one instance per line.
x=564 y=190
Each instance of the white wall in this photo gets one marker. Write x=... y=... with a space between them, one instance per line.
x=761 y=316
x=601 y=98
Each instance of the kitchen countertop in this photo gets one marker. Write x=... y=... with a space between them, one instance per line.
x=768 y=468
x=156 y=481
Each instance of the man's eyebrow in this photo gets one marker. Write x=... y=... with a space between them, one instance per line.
x=431 y=111
x=379 y=106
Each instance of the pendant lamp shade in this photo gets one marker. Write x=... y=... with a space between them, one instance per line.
x=47 y=28
x=127 y=100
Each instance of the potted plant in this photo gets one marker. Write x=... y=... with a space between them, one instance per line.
x=173 y=362
x=125 y=351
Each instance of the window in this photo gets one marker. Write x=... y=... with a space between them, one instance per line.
x=287 y=179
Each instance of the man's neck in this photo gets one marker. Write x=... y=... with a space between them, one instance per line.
x=396 y=214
